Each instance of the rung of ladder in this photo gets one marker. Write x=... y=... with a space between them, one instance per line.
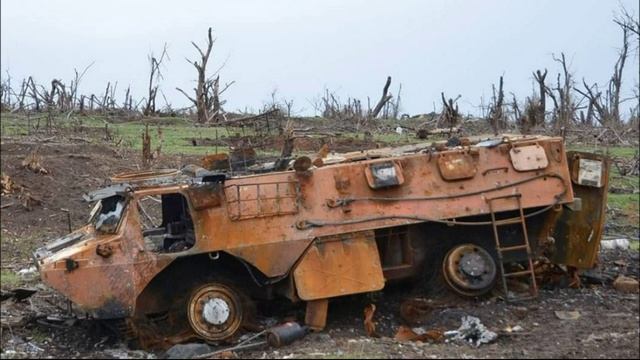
x=508 y=222
x=533 y=287
x=518 y=273
x=520 y=298
x=517 y=195
x=512 y=248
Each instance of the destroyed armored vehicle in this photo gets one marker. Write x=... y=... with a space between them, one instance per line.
x=182 y=254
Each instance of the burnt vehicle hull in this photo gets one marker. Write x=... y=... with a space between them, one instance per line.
x=334 y=230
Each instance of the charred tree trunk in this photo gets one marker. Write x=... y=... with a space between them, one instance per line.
x=496 y=113
x=384 y=99
x=154 y=77
x=542 y=104
x=200 y=100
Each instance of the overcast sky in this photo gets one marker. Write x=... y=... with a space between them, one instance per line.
x=302 y=47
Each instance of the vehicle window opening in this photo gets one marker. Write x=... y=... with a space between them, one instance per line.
x=166 y=223
x=108 y=213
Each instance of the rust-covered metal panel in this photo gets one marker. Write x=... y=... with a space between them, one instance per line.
x=457 y=165
x=105 y=286
x=339 y=265
x=316 y=226
x=273 y=258
x=261 y=199
x=578 y=231
x=527 y=158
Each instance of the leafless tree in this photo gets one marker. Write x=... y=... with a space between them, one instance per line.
x=200 y=90
x=383 y=99
x=497 y=119
x=75 y=83
x=628 y=21
x=5 y=93
x=391 y=109
x=539 y=107
x=564 y=106
x=607 y=107
x=154 y=78
x=450 y=115
x=149 y=155
x=207 y=91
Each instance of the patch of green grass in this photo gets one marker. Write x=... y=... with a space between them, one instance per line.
x=623 y=201
x=39 y=336
x=176 y=136
x=9 y=279
x=634 y=245
x=626 y=205
x=353 y=355
x=614 y=151
x=622 y=182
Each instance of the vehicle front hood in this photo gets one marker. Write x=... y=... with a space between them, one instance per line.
x=54 y=247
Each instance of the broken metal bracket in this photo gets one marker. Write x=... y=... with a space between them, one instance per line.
x=576 y=205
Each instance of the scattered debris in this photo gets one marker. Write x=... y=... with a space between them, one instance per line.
x=18 y=294
x=322 y=154
x=124 y=353
x=8 y=186
x=621 y=243
x=609 y=336
x=473 y=332
x=626 y=284
x=242 y=157
x=187 y=351
x=567 y=315
x=369 y=324
x=29 y=201
x=414 y=310
x=32 y=162
x=27 y=272
x=520 y=312
x=509 y=329
x=216 y=161
x=595 y=277
x=406 y=333
x=285 y=334
x=13 y=321
x=277 y=336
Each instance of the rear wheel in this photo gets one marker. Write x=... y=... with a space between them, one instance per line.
x=215 y=311
x=469 y=270
x=460 y=268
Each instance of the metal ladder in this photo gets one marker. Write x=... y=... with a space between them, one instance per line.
x=529 y=271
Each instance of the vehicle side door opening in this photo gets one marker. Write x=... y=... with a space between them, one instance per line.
x=166 y=223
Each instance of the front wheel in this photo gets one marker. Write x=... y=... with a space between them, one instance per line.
x=215 y=312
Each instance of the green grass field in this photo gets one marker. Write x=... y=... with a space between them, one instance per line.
x=177 y=133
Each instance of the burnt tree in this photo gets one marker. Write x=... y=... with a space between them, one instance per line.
x=564 y=107
x=200 y=101
x=154 y=77
x=384 y=99
x=496 y=112
x=207 y=92
x=537 y=111
x=450 y=115
x=607 y=107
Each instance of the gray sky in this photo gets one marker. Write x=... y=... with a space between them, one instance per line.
x=301 y=47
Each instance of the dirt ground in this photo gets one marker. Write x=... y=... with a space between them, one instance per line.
x=605 y=324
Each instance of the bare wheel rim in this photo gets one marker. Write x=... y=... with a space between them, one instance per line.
x=215 y=312
x=469 y=270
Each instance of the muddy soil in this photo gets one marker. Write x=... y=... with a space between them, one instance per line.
x=607 y=325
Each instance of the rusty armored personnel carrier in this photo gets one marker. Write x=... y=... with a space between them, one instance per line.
x=178 y=254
